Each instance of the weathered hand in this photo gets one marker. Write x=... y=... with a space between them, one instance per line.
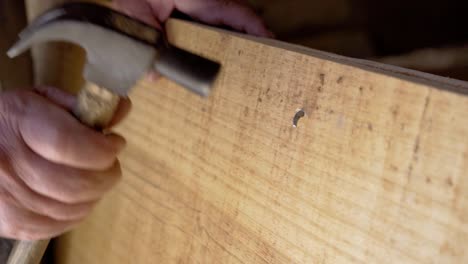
x=53 y=169
x=233 y=13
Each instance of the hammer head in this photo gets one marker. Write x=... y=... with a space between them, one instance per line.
x=120 y=49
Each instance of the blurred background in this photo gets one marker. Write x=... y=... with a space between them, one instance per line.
x=426 y=35
x=18 y=72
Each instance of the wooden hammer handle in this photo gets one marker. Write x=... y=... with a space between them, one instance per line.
x=96 y=107
x=28 y=252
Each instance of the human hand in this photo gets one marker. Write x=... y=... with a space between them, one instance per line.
x=233 y=13
x=53 y=169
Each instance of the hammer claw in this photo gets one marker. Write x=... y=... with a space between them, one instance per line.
x=119 y=49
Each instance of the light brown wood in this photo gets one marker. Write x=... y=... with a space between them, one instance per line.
x=96 y=106
x=376 y=172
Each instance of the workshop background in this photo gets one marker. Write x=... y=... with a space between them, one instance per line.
x=427 y=35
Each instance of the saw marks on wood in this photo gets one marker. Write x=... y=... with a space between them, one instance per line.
x=375 y=171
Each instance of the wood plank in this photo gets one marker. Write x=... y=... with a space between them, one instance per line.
x=377 y=170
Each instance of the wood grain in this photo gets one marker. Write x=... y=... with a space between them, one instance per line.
x=375 y=172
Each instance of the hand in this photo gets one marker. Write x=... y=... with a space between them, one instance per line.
x=53 y=169
x=231 y=13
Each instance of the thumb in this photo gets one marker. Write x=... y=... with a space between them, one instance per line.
x=68 y=102
x=59 y=97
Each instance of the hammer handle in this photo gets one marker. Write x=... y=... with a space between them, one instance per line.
x=95 y=108
x=28 y=252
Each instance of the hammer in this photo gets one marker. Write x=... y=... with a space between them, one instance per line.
x=119 y=51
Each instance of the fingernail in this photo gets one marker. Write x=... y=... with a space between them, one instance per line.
x=117 y=141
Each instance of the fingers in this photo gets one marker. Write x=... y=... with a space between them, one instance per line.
x=69 y=101
x=21 y=224
x=219 y=12
x=225 y=12
x=14 y=191
x=57 y=96
x=138 y=9
x=58 y=137
x=64 y=184
x=53 y=170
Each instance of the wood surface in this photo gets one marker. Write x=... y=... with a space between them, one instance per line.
x=375 y=172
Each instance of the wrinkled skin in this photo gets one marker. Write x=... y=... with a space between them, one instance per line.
x=53 y=169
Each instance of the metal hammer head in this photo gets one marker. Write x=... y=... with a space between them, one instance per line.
x=120 y=49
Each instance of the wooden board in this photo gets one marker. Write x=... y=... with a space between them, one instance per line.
x=377 y=170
